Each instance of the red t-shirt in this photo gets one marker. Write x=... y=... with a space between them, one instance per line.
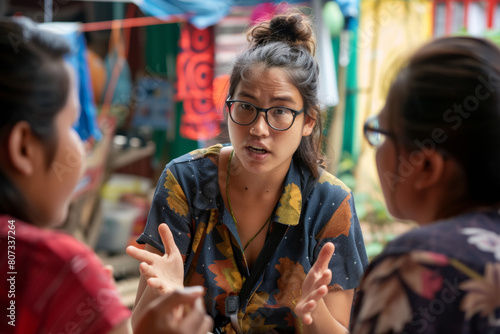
x=53 y=284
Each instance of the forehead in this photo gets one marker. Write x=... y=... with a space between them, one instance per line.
x=261 y=80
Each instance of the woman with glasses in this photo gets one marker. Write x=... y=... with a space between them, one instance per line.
x=224 y=204
x=438 y=160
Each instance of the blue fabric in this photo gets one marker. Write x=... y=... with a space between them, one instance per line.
x=188 y=199
x=350 y=11
x=87 y=124
x=349 y=8
x=201 y=13
x=124 y=85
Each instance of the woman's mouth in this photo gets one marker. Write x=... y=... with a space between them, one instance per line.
x=257 y=150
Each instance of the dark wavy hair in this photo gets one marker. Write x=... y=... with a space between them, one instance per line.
x=287 y=42
x=451 y=87
x=33 y=88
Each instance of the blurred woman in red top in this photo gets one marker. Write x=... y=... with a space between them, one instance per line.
x=52 y=282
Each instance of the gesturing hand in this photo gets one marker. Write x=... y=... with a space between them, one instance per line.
x=315 y=284
x=163 y=273
x=180 y=312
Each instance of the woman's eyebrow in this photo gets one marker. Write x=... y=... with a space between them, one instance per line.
x=283 y=98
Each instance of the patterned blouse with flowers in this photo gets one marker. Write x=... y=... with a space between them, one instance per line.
x=188 y=199
x=441 y=278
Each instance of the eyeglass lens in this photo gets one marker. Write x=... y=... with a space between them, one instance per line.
x=245 y=113
x=373 y=136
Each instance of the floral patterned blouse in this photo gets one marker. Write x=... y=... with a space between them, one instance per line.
x=441 y=278
x=188 y=199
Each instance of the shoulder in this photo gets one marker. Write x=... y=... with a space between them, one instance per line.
x=52 y=247
x=199 y=155
x=186 y=168
x=328 y=183
x=331 y=207
x=68 y=274
x=191 y=178
x=329 y=190
x=429 y=268
x=56 y=247
x=468 y=237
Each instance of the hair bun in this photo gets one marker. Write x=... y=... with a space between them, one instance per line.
x=294 y=29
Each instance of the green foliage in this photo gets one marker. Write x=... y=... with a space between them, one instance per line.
x=492 y=35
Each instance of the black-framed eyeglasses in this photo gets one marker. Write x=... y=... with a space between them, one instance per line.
x=245 y=113
x=373 y=134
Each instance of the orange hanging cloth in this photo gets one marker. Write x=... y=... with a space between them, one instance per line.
x=195 y=74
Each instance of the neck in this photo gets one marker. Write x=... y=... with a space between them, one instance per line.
x=242 y=180
x=452 y=209
x=463 y=208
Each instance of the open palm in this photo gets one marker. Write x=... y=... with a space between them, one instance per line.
x=163 y=273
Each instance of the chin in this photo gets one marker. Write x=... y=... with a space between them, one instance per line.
x=395 y=213
x=59 y=219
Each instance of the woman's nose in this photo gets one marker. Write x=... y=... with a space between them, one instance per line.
x=260 y=127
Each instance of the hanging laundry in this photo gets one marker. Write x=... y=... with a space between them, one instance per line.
x=201 y=13
x=86 y=126
x=195 y=75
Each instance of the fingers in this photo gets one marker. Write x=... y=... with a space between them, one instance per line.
x=324 y=257
x=304 y=310
x=314 y=280
x=146 y=270
x=140 y=254
x=168 y=239
x=315 y=286
x=318 y=293
x=155 y=283
x=159 y=287
x=109 y=270
x=197 y=321
x=309 y=307
x=181 y=311
x=307 y=319
x=185 y=296
x=325 y=278
x=313 y=292
x=311 y=300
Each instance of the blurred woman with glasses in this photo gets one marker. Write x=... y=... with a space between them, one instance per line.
x=222 y=203
x=438 y=160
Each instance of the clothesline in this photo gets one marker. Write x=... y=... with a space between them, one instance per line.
x=132 y=22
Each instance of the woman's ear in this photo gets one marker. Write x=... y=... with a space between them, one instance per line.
x=308 y=126
x=431 y=169
x=21 y=148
